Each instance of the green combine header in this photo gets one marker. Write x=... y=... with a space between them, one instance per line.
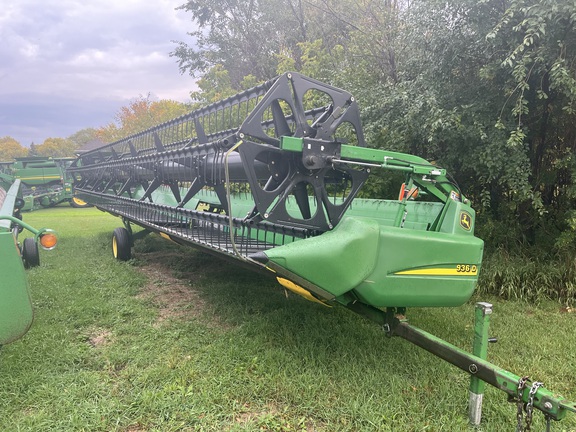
x=16 y=312
x=44 y=181
x=271 y=178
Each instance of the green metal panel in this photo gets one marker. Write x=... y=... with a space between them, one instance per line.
x=15 y=305
x=289 y=143
x=37 y=171
x=349 y=252
x=383 y=265
x=422 y=270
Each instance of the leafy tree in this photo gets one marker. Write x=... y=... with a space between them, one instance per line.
x=538 y=76
x=11 y=149
x=32 y=150
x=486 y=88
x=316 y=60
x=241 y=36
x=56 y=147
x=140 y=114
x=213 y=86
x=83 y=136
x=257 y=37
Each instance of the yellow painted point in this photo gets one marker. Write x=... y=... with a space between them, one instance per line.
x=297 y=289
x=166 y=236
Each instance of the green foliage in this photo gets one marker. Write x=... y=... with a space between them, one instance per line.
x=11 y=149
x=56 y=147
x=465 y=98
x=538 y=77
x=243 y=37
x=142 y=113
x=257 y=38
x=485 y=89
x=529 y=278
x=316 y=60
x=216 y=85
x=83 y=136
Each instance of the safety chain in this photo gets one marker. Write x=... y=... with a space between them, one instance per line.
x=520 y=403
x=530 y=404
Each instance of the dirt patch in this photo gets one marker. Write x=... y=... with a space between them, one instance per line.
x=135 y=429
x=249 y=415
x=174 y=297
x=271 y=417
x=99 y=338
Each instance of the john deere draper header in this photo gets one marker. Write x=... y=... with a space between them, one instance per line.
x=270 y=177
x=266 y=177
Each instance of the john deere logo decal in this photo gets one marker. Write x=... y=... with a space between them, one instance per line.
x=465 y=221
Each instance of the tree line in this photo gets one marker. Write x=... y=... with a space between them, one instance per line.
x=141 y=113
x=487 y=89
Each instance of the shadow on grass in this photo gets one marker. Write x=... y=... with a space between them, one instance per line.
x=261 y=309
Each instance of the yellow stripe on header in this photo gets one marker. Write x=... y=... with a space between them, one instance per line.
x=40 y=178
x=459 y=270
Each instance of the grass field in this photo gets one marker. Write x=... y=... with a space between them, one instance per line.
x=176 y=340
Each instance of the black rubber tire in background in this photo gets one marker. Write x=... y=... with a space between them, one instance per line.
x=121 y=244
x=30 y=253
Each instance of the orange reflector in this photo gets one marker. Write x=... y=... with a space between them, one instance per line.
x=402 y=193
x=407 y=194
x=48 y=240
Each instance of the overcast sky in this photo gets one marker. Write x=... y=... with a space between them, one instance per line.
x=66 y=65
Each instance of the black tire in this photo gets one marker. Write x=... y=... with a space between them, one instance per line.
x=52 y=204
x=30 y=253
x=78 y=203
x=121 y=244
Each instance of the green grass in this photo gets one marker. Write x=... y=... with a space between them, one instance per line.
x=112 y=350
x=521 y=276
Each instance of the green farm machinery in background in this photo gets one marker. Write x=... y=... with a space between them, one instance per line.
x=270 y=178
x=44 y=181
x=15 y=306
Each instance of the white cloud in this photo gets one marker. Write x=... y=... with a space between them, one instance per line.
x=96 y=52
x=29 y=50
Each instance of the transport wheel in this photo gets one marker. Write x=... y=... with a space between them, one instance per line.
x=121 y=244
x=30 y=253
x=78 y=203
